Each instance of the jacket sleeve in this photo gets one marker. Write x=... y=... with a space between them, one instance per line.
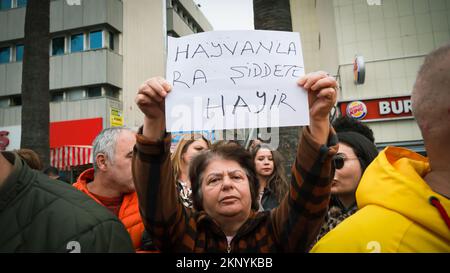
x=300 y=215
x=163 y=215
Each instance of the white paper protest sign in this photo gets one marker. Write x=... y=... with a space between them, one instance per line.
x=234 y=80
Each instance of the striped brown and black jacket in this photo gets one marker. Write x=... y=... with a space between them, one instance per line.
x=291 y=227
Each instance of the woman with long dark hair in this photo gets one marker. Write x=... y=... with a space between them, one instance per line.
x=273 y=184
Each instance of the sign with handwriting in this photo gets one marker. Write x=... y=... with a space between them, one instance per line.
x=234 y=80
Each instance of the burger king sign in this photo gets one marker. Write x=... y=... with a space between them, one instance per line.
x=356 y=110
x=378 y=109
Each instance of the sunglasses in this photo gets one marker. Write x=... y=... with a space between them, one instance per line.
x=339 y=161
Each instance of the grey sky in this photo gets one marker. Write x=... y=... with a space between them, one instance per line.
x=228 y=14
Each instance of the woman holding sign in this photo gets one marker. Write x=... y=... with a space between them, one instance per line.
x=225 y=217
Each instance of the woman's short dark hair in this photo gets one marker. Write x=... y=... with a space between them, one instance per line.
x=227 y=152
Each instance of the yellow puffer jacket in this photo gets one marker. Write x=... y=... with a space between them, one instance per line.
x=395 y=213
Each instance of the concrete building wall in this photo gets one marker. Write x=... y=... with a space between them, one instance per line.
x=10 y=116
x=12 y=22
x=144 y=39
x=10 y=78
x=63 y=16
x=305 y=21
x=86 y=68
x=175 y=22
x=195 y=12
x=84 y=109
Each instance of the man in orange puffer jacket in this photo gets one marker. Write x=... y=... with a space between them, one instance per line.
x=110 y=182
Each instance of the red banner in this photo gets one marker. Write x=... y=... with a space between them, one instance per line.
x=74 y=132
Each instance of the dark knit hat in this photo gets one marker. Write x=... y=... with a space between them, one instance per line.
x=364 y=149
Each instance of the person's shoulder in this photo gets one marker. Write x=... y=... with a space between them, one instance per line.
x=69 y=199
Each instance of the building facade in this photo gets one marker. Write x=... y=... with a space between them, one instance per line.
x=100 y=52
x=393 y=37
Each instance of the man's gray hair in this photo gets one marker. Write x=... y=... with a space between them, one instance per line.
x=105 y=143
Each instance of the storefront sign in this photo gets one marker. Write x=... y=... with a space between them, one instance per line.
x=356 y=109
x=116 y=117
x=378 y=109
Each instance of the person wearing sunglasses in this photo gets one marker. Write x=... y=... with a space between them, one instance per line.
x=355 y=153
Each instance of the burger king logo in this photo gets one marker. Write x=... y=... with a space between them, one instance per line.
x=356 y=110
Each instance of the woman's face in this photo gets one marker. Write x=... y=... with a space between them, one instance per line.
x=193 y=149
x=346 y=179
x=264 y=162
x=226 y=190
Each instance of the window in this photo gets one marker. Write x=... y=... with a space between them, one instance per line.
x=77 y=43
x=4 y=102
x=111 y=40
x=58 y=46
x=21 y=3
x=112 y=92
x=19 y=53
x=16 y=101
x=75 y=94
x=94 y=92
x=5 y=53
x=5 y=4
x=57 y=96
x=95 y=39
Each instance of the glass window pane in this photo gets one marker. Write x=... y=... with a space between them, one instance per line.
x=112 y=92
x=111 y=40
x=19 y=53
x=75 y=94
x=94 y=91
x=57 y=96
x=4 y=102
x=58 y=46
x=5 y=4
x=5 y=53
x=95 y=39
x=76 y=43
x=16 y=101
x=21 y=3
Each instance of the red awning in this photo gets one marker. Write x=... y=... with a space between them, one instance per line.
x=66 y=157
